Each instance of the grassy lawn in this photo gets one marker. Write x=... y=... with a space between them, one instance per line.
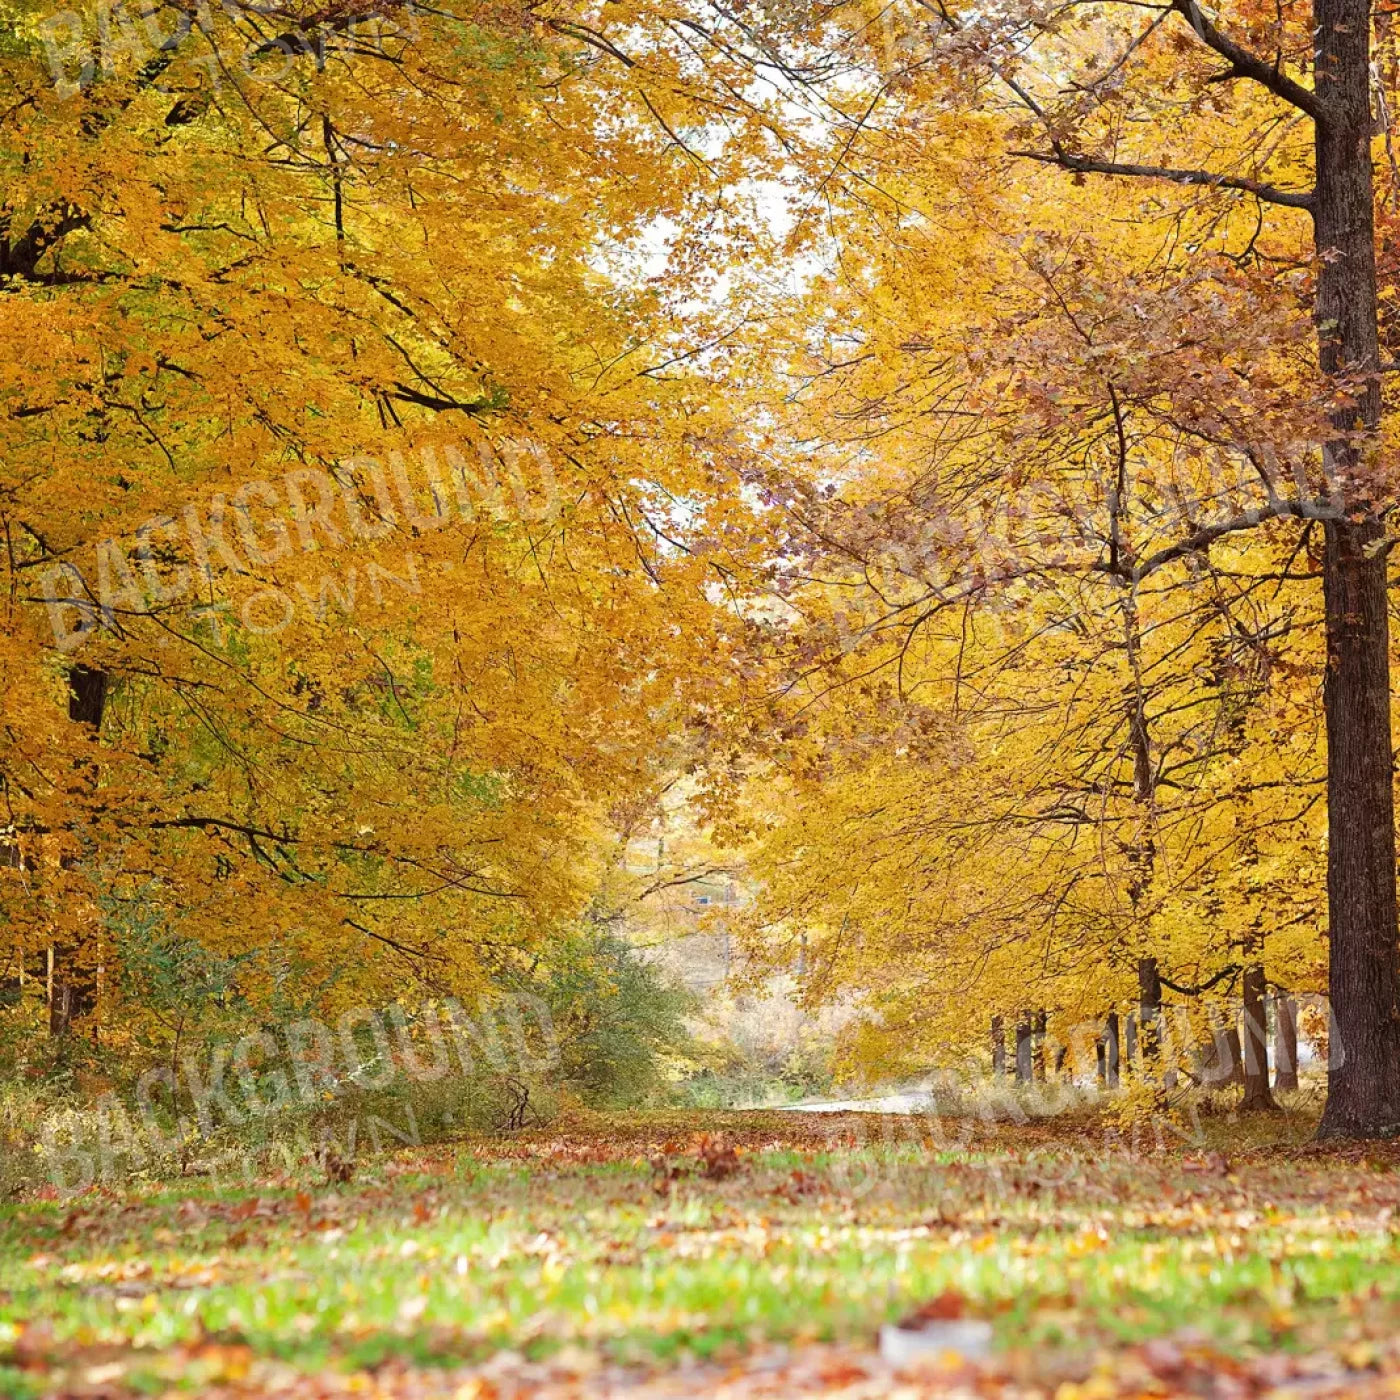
x=646 y=1243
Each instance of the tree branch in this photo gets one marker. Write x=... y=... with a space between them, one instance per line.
x=1270 y=194
x=1277 y=509
x=1227 y=971
x=436 y=402
x=1244 y=64
x=398 y=947
x=19 y=257
x=309 y=35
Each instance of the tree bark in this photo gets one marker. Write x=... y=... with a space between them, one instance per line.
x=1220 y=1058
x=87 y=695
x=1149 y=1008
x=1363 y=1070
x=1038 y=1045
x=72 y=984
x=1285 y=1043
x=1363 y=982
x=1110 y=1045
x=998 y=1049
x=1231 y=1053
x=1256 y=1042
x=1023 y=1050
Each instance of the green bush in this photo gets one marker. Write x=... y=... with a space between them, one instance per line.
x=618 y=1020
x=602 y=1027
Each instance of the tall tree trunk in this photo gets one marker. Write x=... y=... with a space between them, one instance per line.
x=87 y=695
x=1038 y=1045
x=1285 y=1043
x=1146 y=1031
x=1256 y=1042
x=1363 y=1071
x=1228 y=1037
x=1110 y=1045
x=1220 y=1059
x=998 y=1049
x=1149 y=1008
x=1363 y=982
x=1023 y=1049
x=72 y=982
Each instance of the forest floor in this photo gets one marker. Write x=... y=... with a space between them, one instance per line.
x=727 y=1254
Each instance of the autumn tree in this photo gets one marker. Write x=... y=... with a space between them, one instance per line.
x=345 y=440
x=1260 y=50
x=1014 y=355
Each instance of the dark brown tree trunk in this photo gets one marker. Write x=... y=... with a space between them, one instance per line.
x=70 y=998
x=998 y=1049
x=73 y=991
x=1220 y=1060
x=1149 y=1008
x=1285 y=1043
x=87 y=695
x=1110 y=1048
x=1023 y=1050
x=1363 y=1070
x=1256 y=1042
x=1230 y=1053
x=1363 y=1063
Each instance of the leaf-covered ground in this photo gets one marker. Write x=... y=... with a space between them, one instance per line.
x=740 y=1254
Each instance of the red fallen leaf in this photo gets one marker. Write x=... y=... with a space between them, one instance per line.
x=421 y=1213
x=949 y=1306
x=303 y=1202
x=244 y=1210
x=842 y=1372
x=718 y=1158
x=799 y=1184
x=1163 y=1358
x=664 y=1170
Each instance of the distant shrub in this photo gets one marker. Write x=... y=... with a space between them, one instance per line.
x=758 y=1050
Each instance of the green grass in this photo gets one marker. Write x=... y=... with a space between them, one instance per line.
x=575 y=1239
